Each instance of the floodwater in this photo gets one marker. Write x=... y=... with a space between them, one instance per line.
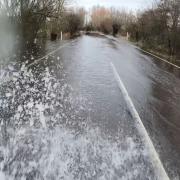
x=63 y=116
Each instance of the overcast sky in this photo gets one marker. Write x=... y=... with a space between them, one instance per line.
x=130 y=4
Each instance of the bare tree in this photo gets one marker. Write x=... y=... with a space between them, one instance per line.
x=98 y=16
x=158 y=28
x=30 y=15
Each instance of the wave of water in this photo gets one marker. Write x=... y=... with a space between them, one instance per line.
x=46 y=134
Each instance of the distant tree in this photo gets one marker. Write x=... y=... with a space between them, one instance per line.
x=116 y=28
x=158 y=28
x=111 y=20
x=171 y=9
x=122 y=18
x=74 y=23
x=106 y=26
x=81 y=12
x=98 y=16
x=89 y=27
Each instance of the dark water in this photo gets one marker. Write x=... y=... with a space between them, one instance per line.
x=64 y=117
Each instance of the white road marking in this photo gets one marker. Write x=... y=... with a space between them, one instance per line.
x=142 y=130
x=158 y=57
x=162 y=59
x=112 y=38
x=52 y=52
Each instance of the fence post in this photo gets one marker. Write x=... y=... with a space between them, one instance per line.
x=61 y=36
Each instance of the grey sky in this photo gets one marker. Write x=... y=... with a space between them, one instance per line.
x=129 y=4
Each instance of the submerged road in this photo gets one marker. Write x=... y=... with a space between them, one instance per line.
x=90 y=108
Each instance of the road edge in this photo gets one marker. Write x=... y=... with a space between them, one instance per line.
x=142 y=130
x=147 y=52
x=162 y=59
x=50 y=53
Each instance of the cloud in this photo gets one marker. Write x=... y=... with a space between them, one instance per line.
x=130 y=4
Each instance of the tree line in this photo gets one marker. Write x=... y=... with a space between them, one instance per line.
x=156 y=28
x=110 y=20
x=34 y=18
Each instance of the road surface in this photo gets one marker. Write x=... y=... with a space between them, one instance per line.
x=64 y=114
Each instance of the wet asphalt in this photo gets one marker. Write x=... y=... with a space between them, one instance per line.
x=84 y=65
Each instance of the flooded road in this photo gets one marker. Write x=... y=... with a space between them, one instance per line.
x=63 y=116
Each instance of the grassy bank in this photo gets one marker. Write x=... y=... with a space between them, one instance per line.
x=160 y=53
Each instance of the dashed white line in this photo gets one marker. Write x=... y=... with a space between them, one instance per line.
x=142 y=130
